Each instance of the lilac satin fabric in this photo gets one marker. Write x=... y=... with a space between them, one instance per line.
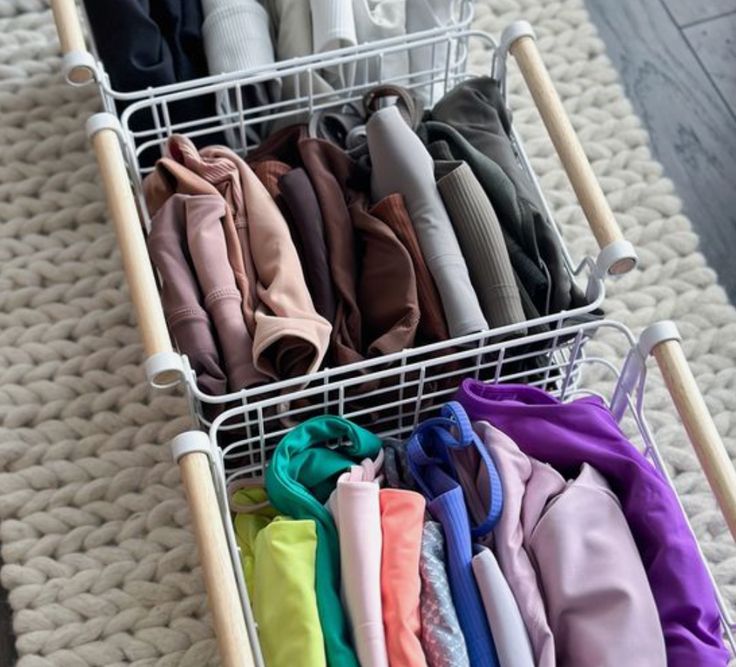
x=566 y=435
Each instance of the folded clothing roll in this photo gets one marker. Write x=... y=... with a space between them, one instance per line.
x=237 y=38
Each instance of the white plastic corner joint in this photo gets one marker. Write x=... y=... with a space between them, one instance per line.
x=654 y=334
x=79 y=67
x=191 y=442
x=164 y=369
x=616 y=259
x=633 y=373
x=515 y=31
x=510 y=34
x=102 y=121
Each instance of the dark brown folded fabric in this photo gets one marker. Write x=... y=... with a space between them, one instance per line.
x=387 y=289
x=385 y=281
x=308 y=231
x=432 y=326
x=362 y=250
x=347 y=340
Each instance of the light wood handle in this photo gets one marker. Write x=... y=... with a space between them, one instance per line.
x=222 y=590
x=592 y=200
x=132 y=244
x=71 y=36
x=700 y=427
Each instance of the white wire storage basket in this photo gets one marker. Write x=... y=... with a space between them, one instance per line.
x=239 y=123
x=394 y=392
x=242 y=438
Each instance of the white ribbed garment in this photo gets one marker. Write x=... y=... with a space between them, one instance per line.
x=382 y=19
x=237 y=37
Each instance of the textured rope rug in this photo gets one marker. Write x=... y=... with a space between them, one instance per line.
x=99 y=560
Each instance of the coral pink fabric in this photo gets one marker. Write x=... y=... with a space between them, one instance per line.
x=402 y=521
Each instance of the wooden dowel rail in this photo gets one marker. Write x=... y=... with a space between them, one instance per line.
x=71 y=37
x=138 y=270
x=222 y=591
x=589 y=193
x=700 y=427
x=214 y=554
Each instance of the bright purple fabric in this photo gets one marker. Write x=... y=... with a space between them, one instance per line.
x=567 y=434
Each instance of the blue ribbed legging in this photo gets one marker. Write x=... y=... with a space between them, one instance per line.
x=429 y=461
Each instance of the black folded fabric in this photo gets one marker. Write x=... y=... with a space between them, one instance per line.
x=144 y=43
x=148 y=43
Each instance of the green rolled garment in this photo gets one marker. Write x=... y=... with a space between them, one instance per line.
x=302 y=474
x=278 y=555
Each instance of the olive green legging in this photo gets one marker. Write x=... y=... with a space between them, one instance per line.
x=302 y=474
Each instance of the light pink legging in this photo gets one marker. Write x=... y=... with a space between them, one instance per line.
x=355 y=507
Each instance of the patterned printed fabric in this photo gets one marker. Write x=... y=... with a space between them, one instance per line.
x=442 y=639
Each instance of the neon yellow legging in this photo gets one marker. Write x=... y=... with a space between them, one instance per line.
x=278 y=556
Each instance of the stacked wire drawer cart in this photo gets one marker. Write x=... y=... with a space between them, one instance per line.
x=248 y=424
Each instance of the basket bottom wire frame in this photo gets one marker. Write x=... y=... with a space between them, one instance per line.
x=568 y=363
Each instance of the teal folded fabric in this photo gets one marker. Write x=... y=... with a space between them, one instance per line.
x=302 y=474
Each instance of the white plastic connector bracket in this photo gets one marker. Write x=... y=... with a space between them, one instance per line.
x=633 y=373
x=616 y=259
x=654 y=334
x=79 y=67
x=511 y=33
x=103 y=121
x=164 y=369
x=190 y=442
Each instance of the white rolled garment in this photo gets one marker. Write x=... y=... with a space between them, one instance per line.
x=236 y=38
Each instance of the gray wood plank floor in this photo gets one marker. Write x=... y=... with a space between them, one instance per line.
x=714 y=42
x=685 y=12
x=678 y=82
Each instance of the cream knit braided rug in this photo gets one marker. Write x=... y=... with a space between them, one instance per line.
x=99 y=559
